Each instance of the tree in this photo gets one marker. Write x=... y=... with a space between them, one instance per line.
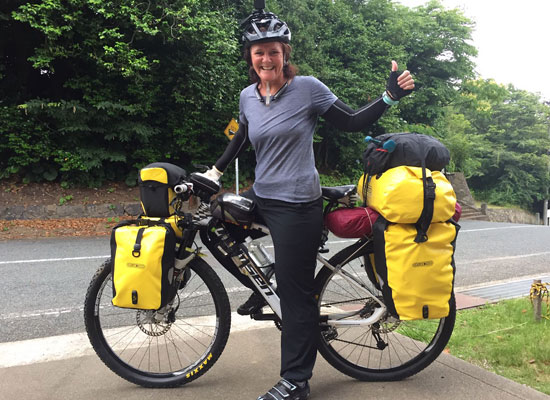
x=511 y=128
x=118 y=84
x=349 y=45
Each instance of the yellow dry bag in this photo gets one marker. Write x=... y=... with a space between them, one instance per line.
x=398 y=195
x=416 y=278
x=142 y=256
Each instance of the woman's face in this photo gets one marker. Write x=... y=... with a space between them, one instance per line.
x=267 y=61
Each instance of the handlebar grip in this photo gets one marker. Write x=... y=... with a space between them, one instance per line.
x=181 y=188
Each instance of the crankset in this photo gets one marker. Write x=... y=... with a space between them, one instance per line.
x=260 y=316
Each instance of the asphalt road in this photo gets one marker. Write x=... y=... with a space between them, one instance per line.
x=44 y=281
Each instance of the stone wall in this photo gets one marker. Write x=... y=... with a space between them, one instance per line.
x=70 y=211
x=512 y=215
x=464 y=196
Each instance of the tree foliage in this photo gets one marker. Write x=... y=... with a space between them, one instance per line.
x=508 y=140
x=117 y=84
x=92 y=90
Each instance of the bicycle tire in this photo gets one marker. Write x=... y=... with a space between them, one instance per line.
x=141 y=350
x=411 y=345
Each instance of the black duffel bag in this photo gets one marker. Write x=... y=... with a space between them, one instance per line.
x=412 y=149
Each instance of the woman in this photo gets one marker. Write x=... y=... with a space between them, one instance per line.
x=278 y=115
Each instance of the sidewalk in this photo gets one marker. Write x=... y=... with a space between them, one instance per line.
x=247 y=368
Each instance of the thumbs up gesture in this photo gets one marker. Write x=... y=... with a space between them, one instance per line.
x=399 y=84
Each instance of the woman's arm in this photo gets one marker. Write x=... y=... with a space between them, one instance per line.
x=400 y=84
x=234 y=148
x=343 y=117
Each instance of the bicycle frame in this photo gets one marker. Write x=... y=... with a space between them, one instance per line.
x=202 y=217
x=268 y=290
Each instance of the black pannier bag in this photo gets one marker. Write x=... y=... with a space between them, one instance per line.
x=412 y=149
x=233 y=208
x=156 y=183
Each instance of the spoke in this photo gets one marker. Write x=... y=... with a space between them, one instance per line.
x=177 y=349
x=346 y=289
x=200 y=285
x=195 y=327
x=128 y=344
x=391 y=344
x=193 y=337
x=167 y=353
x=138 y=349
x=158 y=351
x=211 y=303
x=147 y=352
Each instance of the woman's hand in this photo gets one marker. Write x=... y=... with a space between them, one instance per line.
x=399 y=85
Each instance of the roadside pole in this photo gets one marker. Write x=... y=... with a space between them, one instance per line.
x=230 y=131
x=537 y=300
x=237 y=175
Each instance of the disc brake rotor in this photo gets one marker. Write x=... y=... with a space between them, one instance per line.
x=388 y=324
x=148 y=323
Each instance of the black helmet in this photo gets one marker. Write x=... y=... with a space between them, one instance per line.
x=264 y=26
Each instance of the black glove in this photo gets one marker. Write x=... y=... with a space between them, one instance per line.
x=393 y=89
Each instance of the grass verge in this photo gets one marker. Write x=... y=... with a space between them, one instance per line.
x=504 y=338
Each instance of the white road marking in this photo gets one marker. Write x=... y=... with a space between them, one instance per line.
x=52 y=260
x=56 y=312
x=504 y=258
x=46 y=260
x=502 y=228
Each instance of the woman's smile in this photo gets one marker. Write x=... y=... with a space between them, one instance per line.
x=268 y=62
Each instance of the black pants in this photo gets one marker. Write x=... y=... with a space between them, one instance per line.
x=296 y=232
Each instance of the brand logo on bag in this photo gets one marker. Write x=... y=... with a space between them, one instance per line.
x=134 y=265
x=423 y=264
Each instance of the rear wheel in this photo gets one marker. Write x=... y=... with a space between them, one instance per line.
x=154 y=349
x=390 y=349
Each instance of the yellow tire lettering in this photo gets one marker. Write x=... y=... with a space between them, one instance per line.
x=196 y=370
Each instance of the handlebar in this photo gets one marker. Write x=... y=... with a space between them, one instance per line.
x=183 y=187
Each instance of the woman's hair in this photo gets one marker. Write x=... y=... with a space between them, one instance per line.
x=289 y=70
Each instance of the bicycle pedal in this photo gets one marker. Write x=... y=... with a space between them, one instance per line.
x=260 y=316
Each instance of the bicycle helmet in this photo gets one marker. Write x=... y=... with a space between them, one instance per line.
x=264 y=26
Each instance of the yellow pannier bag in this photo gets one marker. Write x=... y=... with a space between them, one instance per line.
x=398 y=195
x=156 y=182
x=416 y=279
x=142 y=256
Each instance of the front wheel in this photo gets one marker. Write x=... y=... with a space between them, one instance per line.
x=154 y=349
x=387 y=350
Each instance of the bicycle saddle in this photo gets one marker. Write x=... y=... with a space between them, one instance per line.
x=337 y=192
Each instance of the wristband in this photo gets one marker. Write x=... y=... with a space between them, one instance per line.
x=388 y=100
